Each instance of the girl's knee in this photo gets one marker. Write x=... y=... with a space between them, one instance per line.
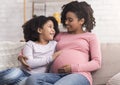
x=10 y=75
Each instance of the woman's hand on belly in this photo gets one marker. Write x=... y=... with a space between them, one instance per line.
x=65 y=69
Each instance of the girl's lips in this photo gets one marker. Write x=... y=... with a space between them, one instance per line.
x=52 y=34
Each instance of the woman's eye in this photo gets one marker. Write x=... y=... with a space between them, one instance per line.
x=70 y=20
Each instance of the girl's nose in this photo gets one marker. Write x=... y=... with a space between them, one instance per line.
x=53 y=29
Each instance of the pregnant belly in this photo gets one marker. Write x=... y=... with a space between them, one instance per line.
x=68 y=57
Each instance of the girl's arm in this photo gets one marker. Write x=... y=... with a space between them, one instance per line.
x=23 y=60
x=35 y=62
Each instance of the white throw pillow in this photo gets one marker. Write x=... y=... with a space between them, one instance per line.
x=115 y=80
x=8 y=54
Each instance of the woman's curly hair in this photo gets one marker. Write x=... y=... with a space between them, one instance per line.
x=82 y=10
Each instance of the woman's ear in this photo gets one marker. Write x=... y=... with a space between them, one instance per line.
x=39 y=30
x=82 y=21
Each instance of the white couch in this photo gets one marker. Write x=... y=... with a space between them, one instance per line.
x=107 y=74
x=8 y=54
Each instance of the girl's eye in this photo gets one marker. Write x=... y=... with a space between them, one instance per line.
x=50 y=26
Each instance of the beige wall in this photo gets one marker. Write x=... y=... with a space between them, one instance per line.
x=106 y=12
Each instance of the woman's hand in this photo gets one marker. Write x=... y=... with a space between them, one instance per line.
x=65 y=69
x=56 y=54
x=23 y=59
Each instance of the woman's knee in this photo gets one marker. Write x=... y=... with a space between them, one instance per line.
x=30 y=80
x=74 y=79
x=34 y=78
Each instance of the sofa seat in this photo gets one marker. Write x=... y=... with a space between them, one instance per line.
x=110 y=60
x=110 y=63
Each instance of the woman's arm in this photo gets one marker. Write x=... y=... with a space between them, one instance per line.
x=95 y=54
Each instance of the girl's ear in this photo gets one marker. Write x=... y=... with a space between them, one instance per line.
x=39 y=30
x=82 y=21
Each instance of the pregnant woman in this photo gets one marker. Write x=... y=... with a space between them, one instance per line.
x=80 y=49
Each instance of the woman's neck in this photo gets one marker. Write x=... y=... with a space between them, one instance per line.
x=77 y=32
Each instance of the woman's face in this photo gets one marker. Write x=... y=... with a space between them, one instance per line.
x=47 y=32
x=73 y=24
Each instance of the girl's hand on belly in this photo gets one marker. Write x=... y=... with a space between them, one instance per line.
x=56 y=54
x=65 y=69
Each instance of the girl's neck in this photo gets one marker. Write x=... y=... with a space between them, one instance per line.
x=43 y=42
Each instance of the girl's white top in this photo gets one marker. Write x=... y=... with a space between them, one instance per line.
x=39 y=56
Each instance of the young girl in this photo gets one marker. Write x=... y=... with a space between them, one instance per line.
x=80 y=49
x=39 y=50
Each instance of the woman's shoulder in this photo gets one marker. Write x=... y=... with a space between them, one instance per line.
x=92 y=36
x=89 y=34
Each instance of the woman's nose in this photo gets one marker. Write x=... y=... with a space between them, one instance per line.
x=66 y=22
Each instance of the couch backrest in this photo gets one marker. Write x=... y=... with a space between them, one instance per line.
x=110 y=63
x=8 y=54
x=110 y=59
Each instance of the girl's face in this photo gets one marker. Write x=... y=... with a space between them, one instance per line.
x=73 y=24
x=47 y=32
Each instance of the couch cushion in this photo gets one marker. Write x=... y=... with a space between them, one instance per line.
x=8 y=54
x=110 y=63
x=115 y=80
